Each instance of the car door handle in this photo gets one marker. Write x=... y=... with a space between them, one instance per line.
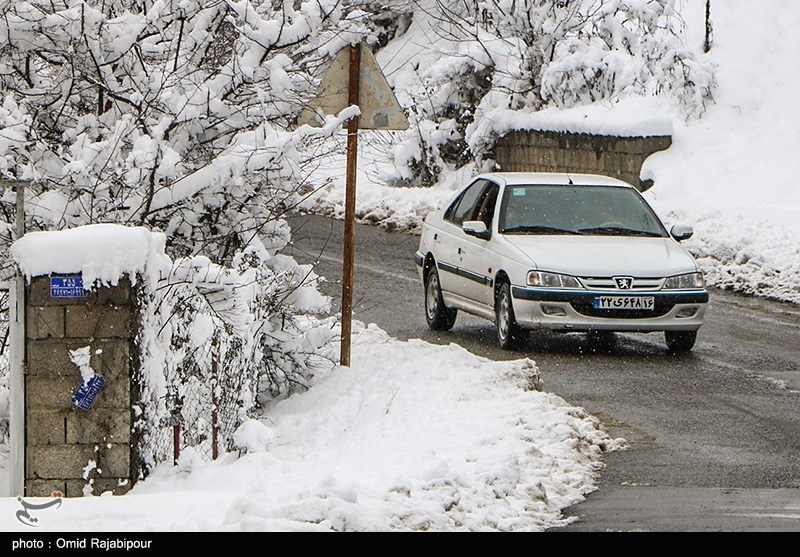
x=461 y=251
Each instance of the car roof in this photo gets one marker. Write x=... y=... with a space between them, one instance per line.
x=561 y=178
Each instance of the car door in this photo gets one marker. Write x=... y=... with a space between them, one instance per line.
x=477 y=258
x=452 y=241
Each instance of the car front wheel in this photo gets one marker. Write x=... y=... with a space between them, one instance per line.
x=680 y=341
x=439 y=316
x=509 y=334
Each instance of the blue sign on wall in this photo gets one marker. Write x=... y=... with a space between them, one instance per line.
x=87 y=392
x=67 y=287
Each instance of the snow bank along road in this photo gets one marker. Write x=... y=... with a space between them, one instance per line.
x=714 y=435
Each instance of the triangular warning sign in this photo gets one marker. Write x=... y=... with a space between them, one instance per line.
x=379 y=107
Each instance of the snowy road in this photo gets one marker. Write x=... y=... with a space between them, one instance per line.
x=714 y=435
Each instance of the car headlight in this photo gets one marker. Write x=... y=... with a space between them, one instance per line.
x=688 y=281
x=552 y=280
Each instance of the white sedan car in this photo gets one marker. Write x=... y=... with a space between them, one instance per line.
x=565 y=252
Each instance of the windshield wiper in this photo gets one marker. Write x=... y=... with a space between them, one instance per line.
x=538 y=229
x=619 y=231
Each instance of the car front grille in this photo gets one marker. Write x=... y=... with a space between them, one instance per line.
x=590 y=311
x=607 y=283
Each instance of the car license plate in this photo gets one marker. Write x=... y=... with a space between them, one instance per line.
x=624 y=302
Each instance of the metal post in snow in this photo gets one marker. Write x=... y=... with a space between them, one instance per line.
x=17 y=361
x=19 y=339
x=176 y=443
x=341 y=87
x=16 y=410
x=353 y=91
x=214 y=401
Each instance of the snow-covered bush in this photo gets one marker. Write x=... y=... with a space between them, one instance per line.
x=534 y=54
x=168 y=114
x=221 y=341
x=627 y=47
x=176 y=115
x=441 y=113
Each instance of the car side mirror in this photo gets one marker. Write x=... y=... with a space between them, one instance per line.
x=475 y=228
x=681 y=232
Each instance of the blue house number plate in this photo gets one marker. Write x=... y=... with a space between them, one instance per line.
x=67 y=287
x=87 y=392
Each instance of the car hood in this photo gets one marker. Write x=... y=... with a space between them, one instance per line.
x=604 y=255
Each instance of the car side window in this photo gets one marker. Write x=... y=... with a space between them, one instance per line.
x=448 y=215
x=466 y=205
x=487 y=204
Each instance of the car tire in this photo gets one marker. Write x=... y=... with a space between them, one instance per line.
x=509 y=334
x=602 y=341
x=680 y=341
x=438 y=316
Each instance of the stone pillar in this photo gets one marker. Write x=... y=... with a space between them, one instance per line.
x=70 y=450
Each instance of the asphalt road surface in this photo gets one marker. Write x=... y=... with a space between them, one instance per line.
x=714 y=435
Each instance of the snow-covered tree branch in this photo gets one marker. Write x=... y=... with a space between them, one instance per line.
x=179 y=115
x=170 y=114
x=529 y=55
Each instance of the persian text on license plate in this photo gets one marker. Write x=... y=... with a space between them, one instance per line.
x=624 y=302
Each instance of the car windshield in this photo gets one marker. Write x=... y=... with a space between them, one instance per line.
x=577 y=210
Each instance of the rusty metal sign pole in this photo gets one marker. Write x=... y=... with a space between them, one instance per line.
x=353 y=91
x=353 y=79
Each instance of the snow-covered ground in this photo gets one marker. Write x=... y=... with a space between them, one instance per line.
x=416 y=436
x=729 y=174
x=412 y=437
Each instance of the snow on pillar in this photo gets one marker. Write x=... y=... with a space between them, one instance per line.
x=80 y=361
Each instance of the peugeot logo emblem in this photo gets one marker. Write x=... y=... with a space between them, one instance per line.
x=624 y=283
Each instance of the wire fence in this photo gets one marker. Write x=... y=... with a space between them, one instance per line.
x=204 y=407
x=206 y=374
x=192 y=410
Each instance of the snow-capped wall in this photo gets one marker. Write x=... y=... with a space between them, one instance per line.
x=102 y=253
x=610 y=155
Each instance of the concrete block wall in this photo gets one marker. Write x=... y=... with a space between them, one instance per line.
x=544 y=151
x=62 y=440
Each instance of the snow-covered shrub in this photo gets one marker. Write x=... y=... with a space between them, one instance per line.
x=168 y=114
x=535 y=54
x=441 y=113
x=627 y=47
x=384 y=19
x=177 y=115
x=224 y=340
